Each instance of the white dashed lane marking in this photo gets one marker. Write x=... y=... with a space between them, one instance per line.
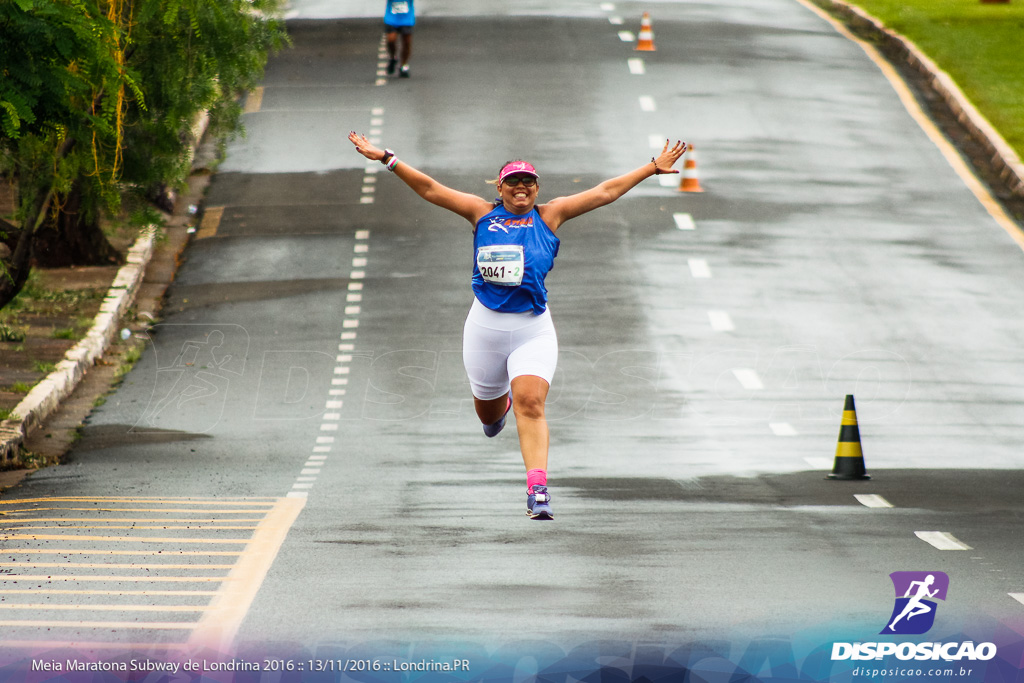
x=942 y=540
x=872 y=500
x=382 y=63
x=353 y=298
x=684 y=221
x=782 y=429
x=699 y=268
x=748 y=378
x=720 y=321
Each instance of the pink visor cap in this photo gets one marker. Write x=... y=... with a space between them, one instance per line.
x=517 y=167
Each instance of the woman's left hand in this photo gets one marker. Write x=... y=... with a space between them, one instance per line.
x=364 y=147
x=668 y=157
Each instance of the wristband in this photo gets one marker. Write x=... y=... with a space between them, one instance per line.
x=388 y=154
x=657 y=171
x=391 y=163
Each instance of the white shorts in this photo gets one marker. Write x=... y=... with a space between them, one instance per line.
x=498 y=347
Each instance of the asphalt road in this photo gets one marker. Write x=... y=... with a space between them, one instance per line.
x=294 y=464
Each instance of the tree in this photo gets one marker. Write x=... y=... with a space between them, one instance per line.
x=57 y=61
x=191 y=56
x=98 y=98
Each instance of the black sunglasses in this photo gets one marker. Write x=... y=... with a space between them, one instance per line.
x=526 y=180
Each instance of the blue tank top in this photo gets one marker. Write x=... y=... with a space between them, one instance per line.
x=512 y=256
x=400 y=13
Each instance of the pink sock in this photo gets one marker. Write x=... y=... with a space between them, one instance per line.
x=537 y=477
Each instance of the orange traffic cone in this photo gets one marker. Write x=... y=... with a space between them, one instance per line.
x=690 y=183
x=645 y=41
x=849 y=461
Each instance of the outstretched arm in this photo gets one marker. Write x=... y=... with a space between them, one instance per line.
x=469 y=206
x=561 y=209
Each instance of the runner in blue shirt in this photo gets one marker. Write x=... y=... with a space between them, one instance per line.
x=509 y=345
x=399 y=18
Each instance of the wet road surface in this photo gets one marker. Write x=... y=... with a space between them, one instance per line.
x=298 y=447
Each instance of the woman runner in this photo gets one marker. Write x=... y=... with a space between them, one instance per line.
x=509 y=344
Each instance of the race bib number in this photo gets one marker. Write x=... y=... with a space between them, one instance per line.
x=501 y=264
x=400 y=8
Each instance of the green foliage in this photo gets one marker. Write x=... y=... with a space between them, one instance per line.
x=35 y=296
x=44 y=367
x=102 y=95
x=191 y=56
x=10 y=334
x=61 y=93
x=978 y=44
x=130 y=357
x=36 y=81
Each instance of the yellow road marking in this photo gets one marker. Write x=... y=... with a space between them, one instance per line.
x=141 y=499
x=84 y=645
x=211 y=520
x=165 y=553
x=948 y=151
x=221 y=616
x=217 y=628
x=106 y=565
x=57 y=591
x=197 y=527
x=254 y=101
x=211 y=221
x=117 y=539
x=109 y=579
x=159 y=625
x=185 y=510
x=109 y=608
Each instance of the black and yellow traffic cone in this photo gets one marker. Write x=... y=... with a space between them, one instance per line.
x=849 y=463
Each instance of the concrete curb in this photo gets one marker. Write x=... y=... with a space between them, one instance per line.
x=45 y=397
x=1004 y=160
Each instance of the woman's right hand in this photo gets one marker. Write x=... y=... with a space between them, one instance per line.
x=364 y=147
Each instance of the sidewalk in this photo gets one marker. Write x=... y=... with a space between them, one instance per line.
x=45 y=421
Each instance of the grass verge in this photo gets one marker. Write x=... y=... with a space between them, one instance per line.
x=977 y=44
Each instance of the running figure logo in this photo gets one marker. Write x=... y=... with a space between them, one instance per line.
x=497 y=225
x=914 y=611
